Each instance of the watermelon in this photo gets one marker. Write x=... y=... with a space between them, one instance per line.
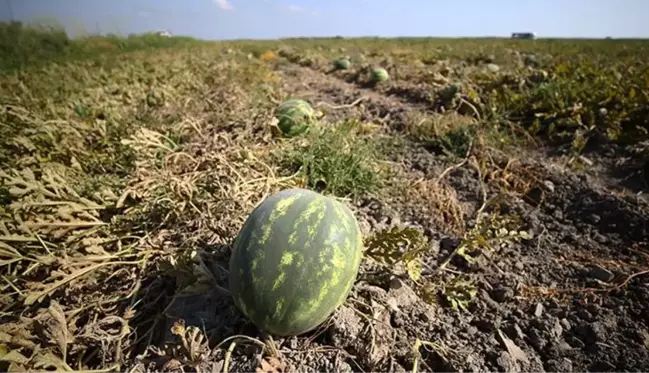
x=342 y=64
x=294 y=261
x=379 y=74
x=294 y=116
x=449 y=92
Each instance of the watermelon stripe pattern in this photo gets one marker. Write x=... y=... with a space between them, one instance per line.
x=294 y=117
x=342 y=64
x=379 y=74
x=295 y=261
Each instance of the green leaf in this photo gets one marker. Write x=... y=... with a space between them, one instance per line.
x=414 y=269
x=389 y=246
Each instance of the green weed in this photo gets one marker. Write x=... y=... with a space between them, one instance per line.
x=335 y=160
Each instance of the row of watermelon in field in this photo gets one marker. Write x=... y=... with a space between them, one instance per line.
x=377 y=74
x=296 y=115
x=296 y=236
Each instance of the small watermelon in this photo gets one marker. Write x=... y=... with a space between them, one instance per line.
x=449 y=92
x=294 y=261
x=379 y=74
x=342 y=64
x=294 y=116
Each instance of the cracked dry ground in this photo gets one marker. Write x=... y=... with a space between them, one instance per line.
x=572 y=297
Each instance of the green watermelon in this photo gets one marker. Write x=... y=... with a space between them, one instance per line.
x=342 y=64
x=449 y=92
x=294 y=261
x=379 y=74
x=294 y=116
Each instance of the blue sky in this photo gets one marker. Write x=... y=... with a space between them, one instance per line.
x=234 y=19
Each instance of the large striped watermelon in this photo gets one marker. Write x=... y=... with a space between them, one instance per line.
x=295 y=261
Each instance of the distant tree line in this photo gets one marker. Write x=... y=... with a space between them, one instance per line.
x=24 y=46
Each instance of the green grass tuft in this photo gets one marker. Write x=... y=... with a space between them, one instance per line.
x=335 y=160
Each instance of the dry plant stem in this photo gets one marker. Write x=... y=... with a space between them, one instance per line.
x=270 y=343
x=478 y=217
x=475 y=111
x=35 y=297
x=456 y=166
x=336 y=107
x=228 y=354
x=418 y=344
x=483 y=189
x=626 y=281
x=372 y=330
x=605 y=290
x=109 y=369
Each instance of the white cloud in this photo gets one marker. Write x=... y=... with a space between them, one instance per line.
x=299 y=9
x=223 y=4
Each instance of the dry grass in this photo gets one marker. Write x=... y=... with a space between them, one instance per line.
x=439 y=202
x=427 y=127
x=104 y=195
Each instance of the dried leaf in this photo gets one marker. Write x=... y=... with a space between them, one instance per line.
x=15 y=357
x=56 y=327
x=8 y=251
x=196 y=343
x=45 y=360
x=512 y=349
x=271 y=365
x=28 y=174
x=178 y=328
x=17 y=334
x=172 y=365
x=39 y=295
x=4 y=350
x=16 y=368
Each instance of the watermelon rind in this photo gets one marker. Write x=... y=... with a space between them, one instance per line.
x=379 y=74
x=294 y=117
x=342 y=64
x=294 y=261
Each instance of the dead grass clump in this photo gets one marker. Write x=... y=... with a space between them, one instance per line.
x=512 y=176
x=449 y=133
x=459 y=136
x=439 y=203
